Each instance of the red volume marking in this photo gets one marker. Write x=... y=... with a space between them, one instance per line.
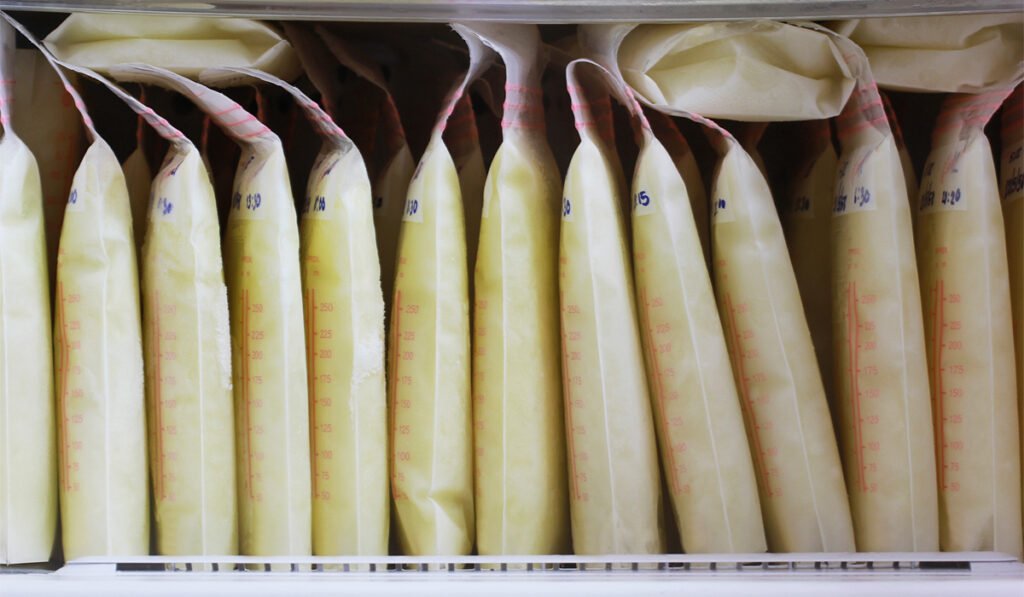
x=748 y=402
x=246 y=390
x=159 y=405
x=394 y=392
x=66 y=353
x=567 y=383
x=674 y=477
x=853 y=342
x=940 y=445
x=312 y=387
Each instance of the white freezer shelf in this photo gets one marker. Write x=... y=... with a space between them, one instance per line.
x=897 y=574
x=539 y=11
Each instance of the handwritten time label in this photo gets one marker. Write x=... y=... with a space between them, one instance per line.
x=249 y=205
x=942 y=200
x=722 y=210
x=413 y=210
x=860 y=199
x=643 y=203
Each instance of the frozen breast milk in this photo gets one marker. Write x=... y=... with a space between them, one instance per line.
x=28 y=458
x=1011 y=177
x=793 y=444
x=880 y=368
x=393 y=173
x=52 y=129
x=104 y=502
x=522 y=504
x=261 y=264
x=806 y=216
x=965 y=293
x=429 y=353
x=187 y=349
x=705 y=455
x=614 y=485
x=711 y=481
x=344 y=312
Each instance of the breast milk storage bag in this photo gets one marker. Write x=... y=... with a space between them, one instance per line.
x=806 y=216
x=614 y=485
x=519 y=439
x=880 y=370
x=28 y=459
x=344 y=313
x=961 y=254
x=429 y=353
x=261 y=265
x=393 y=172
x=792 y=442
x=1011 y=177
x=187 y=350
x=101 y=439
x=711 y=481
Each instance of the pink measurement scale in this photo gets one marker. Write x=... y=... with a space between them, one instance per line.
x=947 y=374
x=863 y=371
x=250 y=322
x=164 y=350
x=319 y=352
x=573 y=343
x=750 y=370
x=657 y=326
x=406 y=319
x=70 y=407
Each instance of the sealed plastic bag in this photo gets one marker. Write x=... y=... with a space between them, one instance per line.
x=344 y=312
x=705 y=456
x=1011 y=177
x=429 y=353
x=748 y=70
x=181 y=44
x=394 y=170
x=187 y=348
x=806 y=216
x=52 y=129
x=261 y=263
x=881 y=374
x=521 y=497
x=957 y=53
x=97 y=340
x=28 y=458
x=961 y=254
x=614 y=485
x=793 y=445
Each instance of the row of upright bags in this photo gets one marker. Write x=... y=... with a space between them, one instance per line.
x=802 y=497
x=962 y=260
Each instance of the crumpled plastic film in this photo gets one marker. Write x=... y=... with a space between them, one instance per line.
x=745 y=70
x=429 y=352
x=522 y=504
x=261 y=266
x=184 y=45
x=952 y=53
x=965 y=294
x=28 y=456
x=344 y=312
